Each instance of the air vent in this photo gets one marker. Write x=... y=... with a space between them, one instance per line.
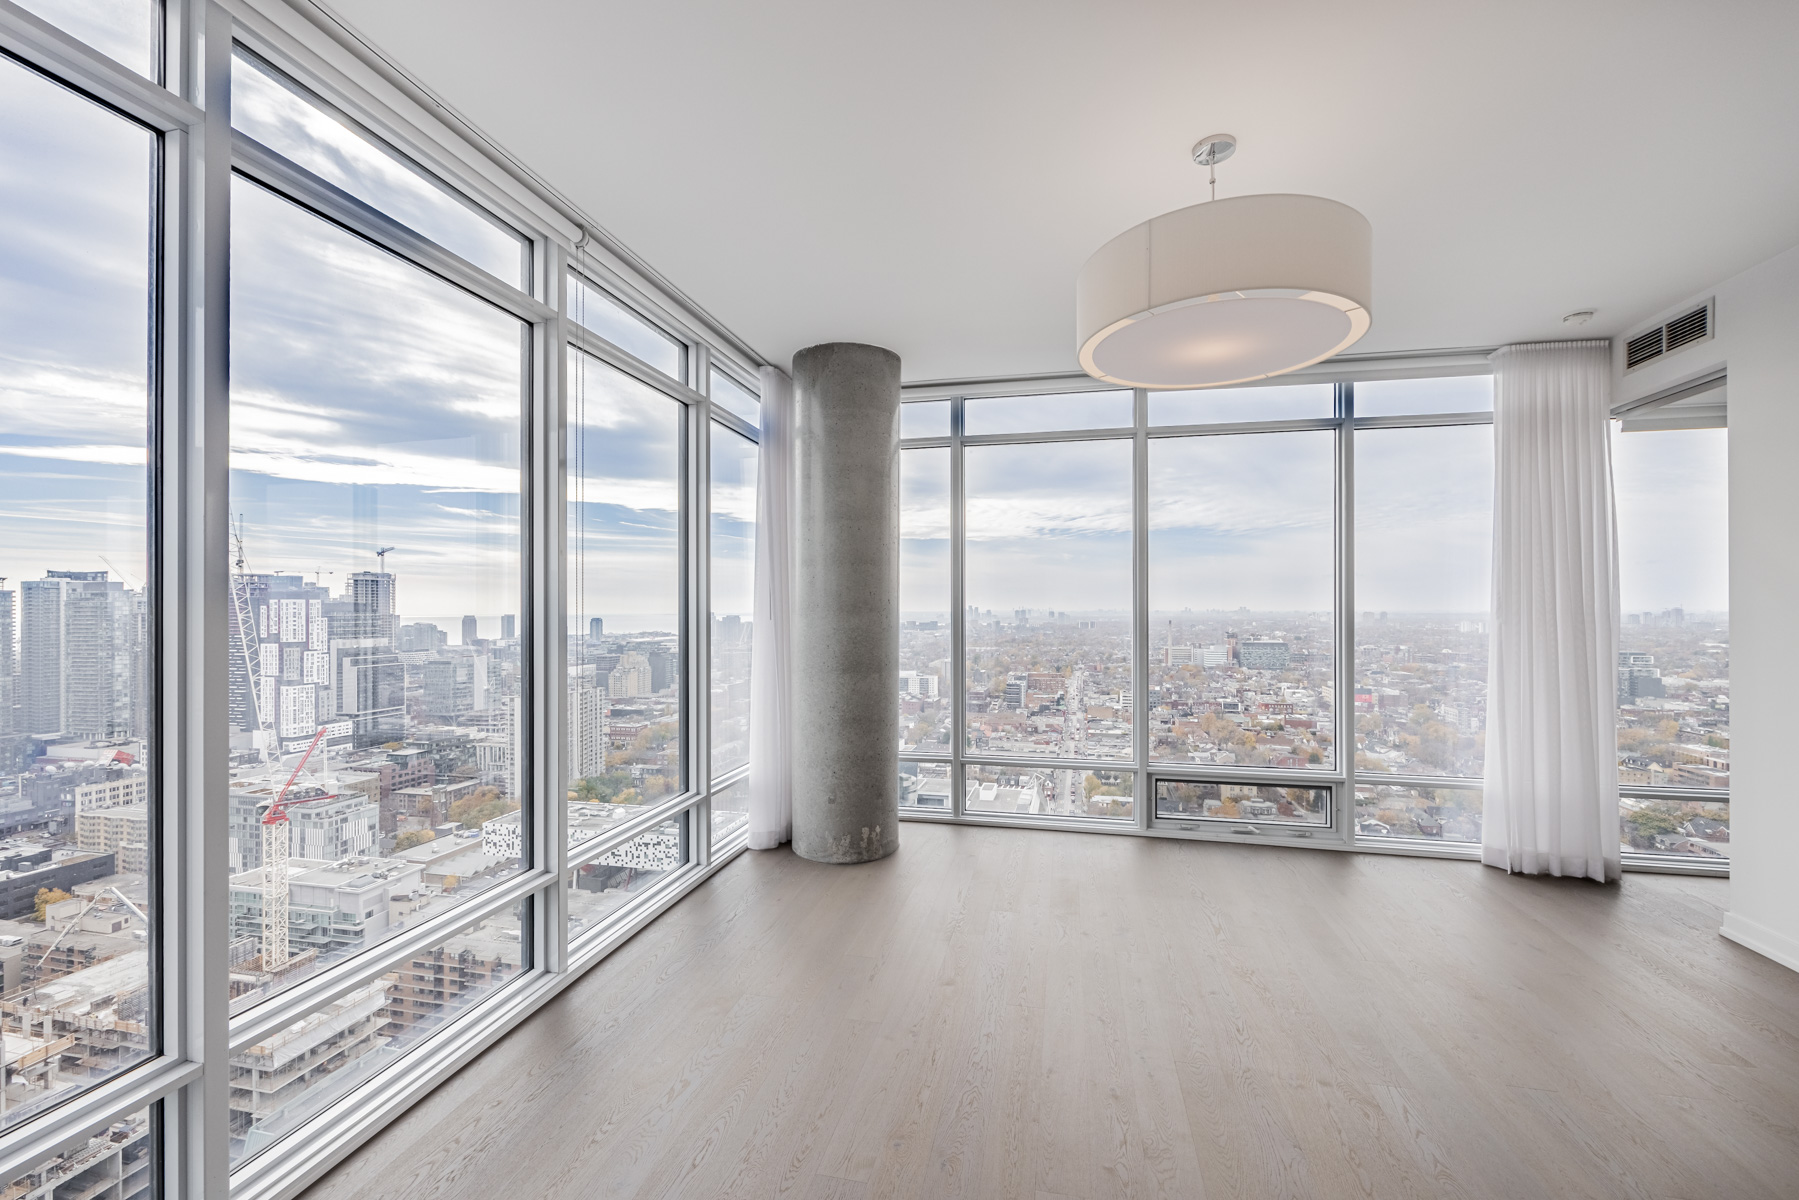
x=1683 y=330
x=1689 y=328
x=1643 y=347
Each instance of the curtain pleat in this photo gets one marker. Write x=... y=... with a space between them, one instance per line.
x=1551 y=802
x=771 y=763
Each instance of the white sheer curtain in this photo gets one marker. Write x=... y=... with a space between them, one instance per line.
x=1551 y=804
x=771 y=763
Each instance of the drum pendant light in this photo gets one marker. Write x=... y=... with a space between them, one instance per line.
x=1225 y=292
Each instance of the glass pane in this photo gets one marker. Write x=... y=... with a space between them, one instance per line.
x=127 y=31
x=1048 y=586
x=594 y=310
x=1446 y=814
x=289 y=121
x=599 y=888
x=625 y=655
x=1033 y=414
x=1049 y=792
x=1424 y=554
x=924 y=418
x=1406 y=397
x=925 y=785
x=1674 y=588
x=1286 y=402
x=111 y=1164
x=1242 y=802
x=292 y=1075
x=925 y=699
x=1241 y=595
x=730 y=811
x=1692 y=829
x=733 y=599
x=374 y=488
x=76 y=661
x=732 y=396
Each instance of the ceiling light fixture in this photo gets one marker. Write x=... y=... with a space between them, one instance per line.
x=1225 y=292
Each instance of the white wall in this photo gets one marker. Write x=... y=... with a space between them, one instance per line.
x=1758 y=342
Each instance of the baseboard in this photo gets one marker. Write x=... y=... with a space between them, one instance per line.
x=1759 y=938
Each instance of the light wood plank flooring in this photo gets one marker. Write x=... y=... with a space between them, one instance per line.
x=993 y=1013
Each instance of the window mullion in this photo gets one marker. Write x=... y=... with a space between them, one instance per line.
x=699 y=819
x=1344 y=818
x=194 y=452
x=958 y=611
x=1140 y=729
x=547 y=642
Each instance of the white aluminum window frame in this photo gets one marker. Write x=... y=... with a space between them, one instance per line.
x=186 y=1083
x=1343 y=778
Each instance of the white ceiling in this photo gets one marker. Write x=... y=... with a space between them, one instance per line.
x=929 y=175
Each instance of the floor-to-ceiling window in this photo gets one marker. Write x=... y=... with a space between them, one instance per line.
x=1674 y=641
x=732 y=502
x=1423 y=582
x=364 y=512
x=81 y=926
x=1290 y=583
x=1253 y=611
x=1047 y=606
x=379 y=750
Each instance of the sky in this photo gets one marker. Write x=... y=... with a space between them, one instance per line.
x=373 y=404
x=376 y=405
x=1247 y=520
x=75 y=249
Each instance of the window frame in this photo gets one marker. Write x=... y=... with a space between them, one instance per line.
x=1342 y=780
x=185 y=1083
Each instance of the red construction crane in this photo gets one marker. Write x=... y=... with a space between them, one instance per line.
x=275 y=830
x=278 y=810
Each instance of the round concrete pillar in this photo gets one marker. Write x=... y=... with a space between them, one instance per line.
x=846 y=603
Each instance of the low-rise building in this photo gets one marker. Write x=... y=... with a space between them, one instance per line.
x=19 y=888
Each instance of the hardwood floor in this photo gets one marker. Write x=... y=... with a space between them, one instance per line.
x=993 y=1013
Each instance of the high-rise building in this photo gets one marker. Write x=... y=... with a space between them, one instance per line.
x=631 y=677
x=279 y=663
x=596 y=628
x=508 y=626
x=455 y=686
x=470 y=631
x=665 y=670
x=81 y=637
x=373 y=598
x=8 y=661
x=332 y=828
x=588 y=746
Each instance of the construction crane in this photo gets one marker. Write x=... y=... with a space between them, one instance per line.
x=275 y=832
x=248 y=642
x=381 y=556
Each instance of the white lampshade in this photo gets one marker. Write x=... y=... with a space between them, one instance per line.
x=1226 y=292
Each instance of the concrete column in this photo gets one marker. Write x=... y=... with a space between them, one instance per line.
x=846 y=603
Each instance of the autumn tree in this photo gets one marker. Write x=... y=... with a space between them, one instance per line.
x=46 y=897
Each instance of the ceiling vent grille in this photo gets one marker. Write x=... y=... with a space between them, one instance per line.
x=1643 y=347
x=1683 y=330
x=1689 y=328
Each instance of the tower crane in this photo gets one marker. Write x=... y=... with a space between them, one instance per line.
x=381 y=557
x=248 y=644
x=275 y=833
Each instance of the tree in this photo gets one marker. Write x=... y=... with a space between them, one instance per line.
x=479 y=806
x=48 y=896
x=414 y=837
